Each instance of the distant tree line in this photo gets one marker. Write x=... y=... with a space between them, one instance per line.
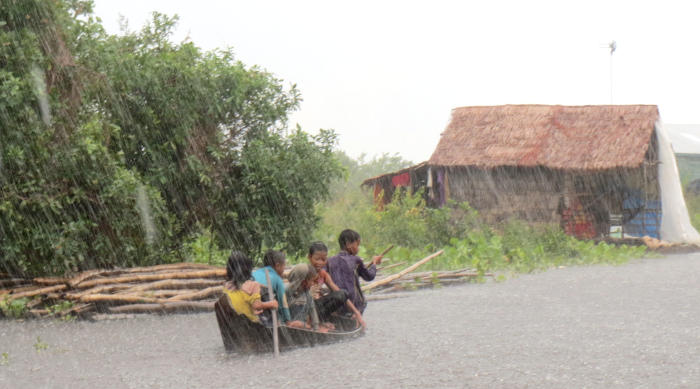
x=114 y=150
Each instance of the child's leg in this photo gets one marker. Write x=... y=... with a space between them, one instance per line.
x=326 y=305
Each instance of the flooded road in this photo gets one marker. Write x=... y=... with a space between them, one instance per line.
x=636 y=325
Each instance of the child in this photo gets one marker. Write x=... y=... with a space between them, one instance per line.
x=325 y=305
x=301 y=304
x=244 y=293
x=274 y=262
x=346 y=268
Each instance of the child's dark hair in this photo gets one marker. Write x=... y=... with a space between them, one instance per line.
x=317 y=247
x=238 y=268
x=347 y=236
x=273 y=258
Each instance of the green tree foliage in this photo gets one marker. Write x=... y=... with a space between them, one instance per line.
x=117 y=149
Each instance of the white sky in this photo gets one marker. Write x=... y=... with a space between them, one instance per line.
x=386 y=74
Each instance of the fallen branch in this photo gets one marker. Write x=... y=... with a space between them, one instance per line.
x=401 y=273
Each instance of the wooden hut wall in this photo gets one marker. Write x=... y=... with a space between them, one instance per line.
x=508 y=192
x=533 y=194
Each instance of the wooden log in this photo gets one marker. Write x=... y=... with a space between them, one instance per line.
x=166 y=293
x=36 y=292
x=210 y=273
x=50 y=280
x=173 y=266
x=173 y=306
x=98 y=290
x=401 y=273
x=88 y=274
x=118 y=299
x=202 y=294
x=19 y=289
x=176 y=284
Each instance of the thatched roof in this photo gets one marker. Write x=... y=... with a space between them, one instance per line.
x=553 y=136
x=387 y=176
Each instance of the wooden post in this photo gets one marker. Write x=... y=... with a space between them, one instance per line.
x=275 y=339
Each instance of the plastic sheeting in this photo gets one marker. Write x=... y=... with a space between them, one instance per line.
x=675 y=222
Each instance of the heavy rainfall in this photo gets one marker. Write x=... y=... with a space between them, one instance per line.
x=163 y=223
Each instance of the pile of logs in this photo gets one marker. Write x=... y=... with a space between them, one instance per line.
x=161 y=288
x=181 y=287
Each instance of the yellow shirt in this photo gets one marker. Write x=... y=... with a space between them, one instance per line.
x=242 y=303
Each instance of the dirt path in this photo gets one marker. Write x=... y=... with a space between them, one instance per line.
x=636 y=325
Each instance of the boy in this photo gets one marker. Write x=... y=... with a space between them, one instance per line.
x=346 y=268
x=274 y=261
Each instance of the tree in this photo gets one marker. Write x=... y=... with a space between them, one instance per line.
x=116 y=149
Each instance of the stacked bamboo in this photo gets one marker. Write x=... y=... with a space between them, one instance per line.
x=161 y=288
x=176 y=287
x=408 y=279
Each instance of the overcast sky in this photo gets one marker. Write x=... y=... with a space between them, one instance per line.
x=386 y=74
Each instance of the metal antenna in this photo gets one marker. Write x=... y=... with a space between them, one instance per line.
x=612 y=46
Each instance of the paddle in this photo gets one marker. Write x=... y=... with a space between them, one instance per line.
x=275 y=339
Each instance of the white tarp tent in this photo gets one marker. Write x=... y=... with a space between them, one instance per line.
x=675 y=222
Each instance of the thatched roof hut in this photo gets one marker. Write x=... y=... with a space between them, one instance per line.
x=592 y=137
x=586 y=167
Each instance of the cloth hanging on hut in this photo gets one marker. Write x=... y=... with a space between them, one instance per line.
x=403 y=179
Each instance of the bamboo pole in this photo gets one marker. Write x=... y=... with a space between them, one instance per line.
x=401 y=273
x=212 y=273
x=275 y=335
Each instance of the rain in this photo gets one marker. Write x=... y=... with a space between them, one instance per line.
x=285 y=198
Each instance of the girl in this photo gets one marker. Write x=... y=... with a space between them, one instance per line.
x=337 y=298
x=244 y=293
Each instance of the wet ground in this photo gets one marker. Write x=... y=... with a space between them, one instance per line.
x=636 y=325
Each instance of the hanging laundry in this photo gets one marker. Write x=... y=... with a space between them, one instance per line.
x=403 y=179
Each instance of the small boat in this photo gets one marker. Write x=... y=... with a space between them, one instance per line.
x=242 y=335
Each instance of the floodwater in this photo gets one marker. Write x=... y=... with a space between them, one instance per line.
x=636 y=325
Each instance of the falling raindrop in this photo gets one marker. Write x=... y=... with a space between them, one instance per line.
x=144 y=209
x=41 y=94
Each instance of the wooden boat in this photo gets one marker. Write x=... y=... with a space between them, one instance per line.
x=242 y=335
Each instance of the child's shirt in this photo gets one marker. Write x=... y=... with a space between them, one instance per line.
x=277 y=286
x=242 y=299
x=319 y=285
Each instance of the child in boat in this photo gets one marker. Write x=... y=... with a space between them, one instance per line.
x=244 y=293
x=301 y=305
x=337 y=298
x=274 y=262
x=346 y=268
